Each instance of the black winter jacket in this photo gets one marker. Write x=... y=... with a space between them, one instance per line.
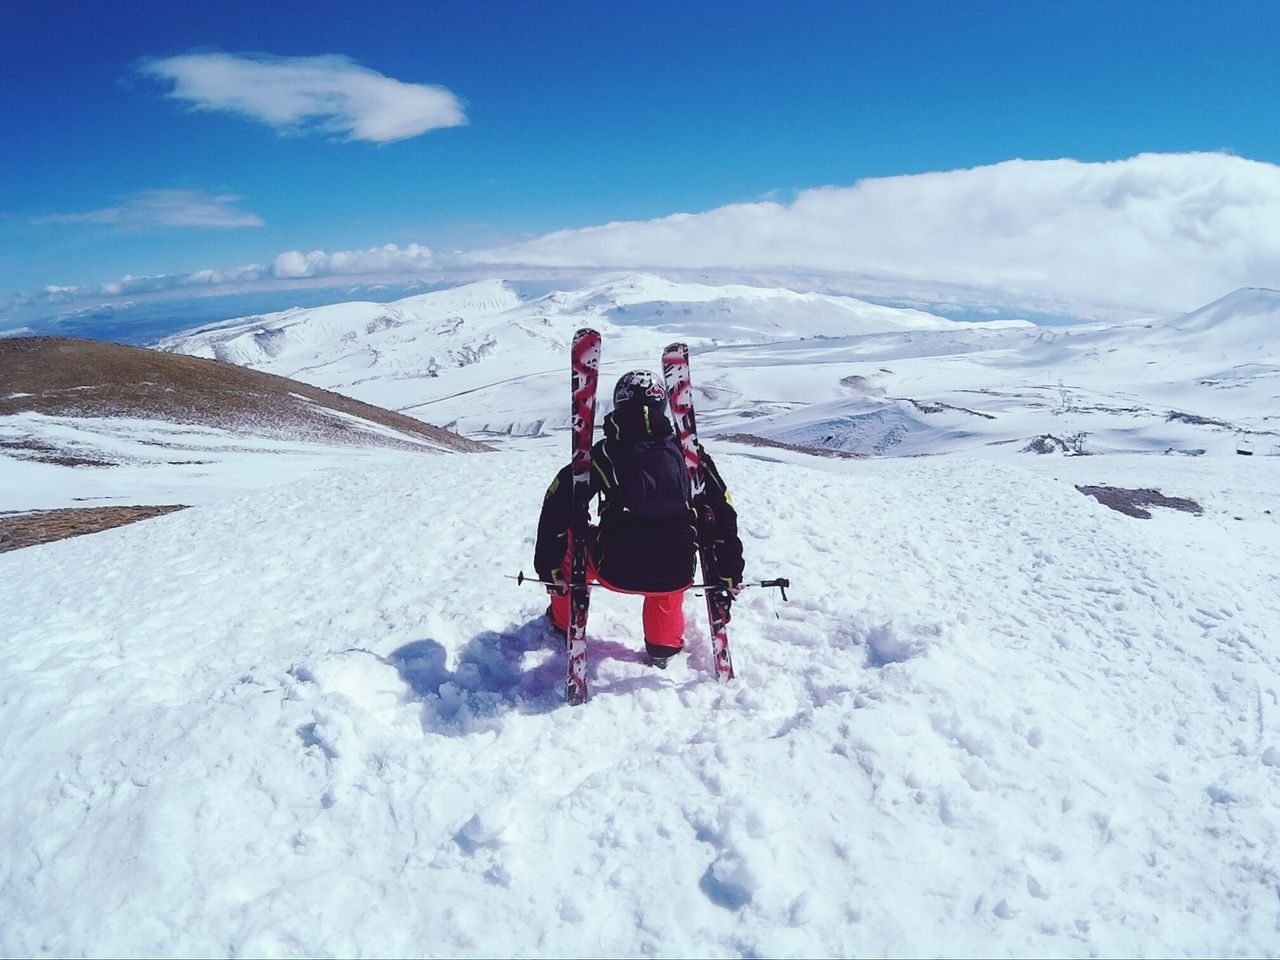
x=633 y=553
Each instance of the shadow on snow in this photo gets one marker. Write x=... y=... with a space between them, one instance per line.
x=490 y=679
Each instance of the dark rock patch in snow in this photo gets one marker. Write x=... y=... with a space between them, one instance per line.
x=751 y=440
x=1195 y=420
x=937 y=406
x=33 y=448
x=1048 y=443
x=1132 y=502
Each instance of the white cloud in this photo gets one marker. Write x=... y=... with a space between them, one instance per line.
x=166 y=208
x=1154 y=232
x=389 y=259
x=333 y=94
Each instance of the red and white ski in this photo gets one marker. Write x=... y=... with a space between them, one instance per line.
x=675 y=370
x=585 y=373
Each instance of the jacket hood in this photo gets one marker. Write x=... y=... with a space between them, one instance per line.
x=637 y=421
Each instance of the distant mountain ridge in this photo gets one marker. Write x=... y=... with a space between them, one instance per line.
x=458 y=326
x=807 y=369
x=443 y=347
x=1245 y=320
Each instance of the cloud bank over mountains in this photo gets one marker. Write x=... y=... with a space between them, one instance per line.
x=386 y=260
x=1154 y=232
x=332 y=94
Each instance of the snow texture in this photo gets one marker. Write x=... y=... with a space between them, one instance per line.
x=995 y=718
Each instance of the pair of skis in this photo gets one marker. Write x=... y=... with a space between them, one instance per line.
x=585 y=364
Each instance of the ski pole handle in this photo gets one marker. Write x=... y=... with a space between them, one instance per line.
x=781 y=583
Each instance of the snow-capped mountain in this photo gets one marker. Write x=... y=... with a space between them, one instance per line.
x=800 y=368
x=460 y=326
x=428 y=355
x=1206 y=382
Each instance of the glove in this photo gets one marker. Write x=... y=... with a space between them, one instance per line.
x=728 y=593
x=557 y=589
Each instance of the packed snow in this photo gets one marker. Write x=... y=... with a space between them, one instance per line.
x=995 y=718
x=311 y=715
x=162 y=462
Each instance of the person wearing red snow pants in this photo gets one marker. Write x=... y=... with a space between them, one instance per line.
x=646 y=540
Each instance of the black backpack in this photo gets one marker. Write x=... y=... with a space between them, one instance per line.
x=653 y=482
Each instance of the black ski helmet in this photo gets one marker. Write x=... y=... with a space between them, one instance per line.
x=641 y=385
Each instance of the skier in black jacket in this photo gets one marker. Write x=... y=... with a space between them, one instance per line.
x=646 y=541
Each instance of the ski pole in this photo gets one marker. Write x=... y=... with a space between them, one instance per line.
x=781 y=584
x=521 y=579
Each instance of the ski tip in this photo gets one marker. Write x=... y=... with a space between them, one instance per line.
x=586 y=332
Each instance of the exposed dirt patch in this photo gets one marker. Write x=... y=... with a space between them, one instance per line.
x=18 y=530
x=1132 y=502
x=84 y=378
x=29 y=448
x=751 y=440
x=1196 y=420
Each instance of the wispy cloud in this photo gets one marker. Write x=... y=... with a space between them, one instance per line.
x=166 y=208
x=388 y=260
x=1154 y=232
x=332 y=94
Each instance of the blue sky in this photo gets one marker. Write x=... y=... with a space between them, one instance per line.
x=580 y=113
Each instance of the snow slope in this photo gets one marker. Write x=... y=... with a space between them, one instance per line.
x=83 y=421
x=997 y=718
x=133 y=461
x=484 y=359
x=1201 y=383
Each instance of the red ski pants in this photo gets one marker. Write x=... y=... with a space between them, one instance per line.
x=663 y=614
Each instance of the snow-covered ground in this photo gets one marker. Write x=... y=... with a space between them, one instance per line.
x=162 y=462
x=995 y=718
x=310 y=716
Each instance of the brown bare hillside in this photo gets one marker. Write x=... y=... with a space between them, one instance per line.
x=19 y=530
x=86 y=378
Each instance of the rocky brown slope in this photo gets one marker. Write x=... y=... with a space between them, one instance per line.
x=86 y=378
